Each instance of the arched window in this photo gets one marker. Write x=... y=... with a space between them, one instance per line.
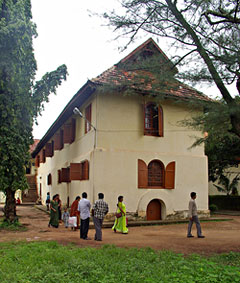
x=155 y=174
x=153 y=120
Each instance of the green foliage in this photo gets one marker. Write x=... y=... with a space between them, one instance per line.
x=11 y=226
x=224 y=202
x=206 y=36
x=50 y=262
x=228 y=186
x=221 y=145
x=213 y=207
x=21 y=98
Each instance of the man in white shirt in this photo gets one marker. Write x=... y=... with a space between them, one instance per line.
x=193 y=217
x=84 y=207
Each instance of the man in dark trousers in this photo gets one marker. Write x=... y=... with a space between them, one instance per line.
x=193 y=217
x=84 y=209
x=100 y=209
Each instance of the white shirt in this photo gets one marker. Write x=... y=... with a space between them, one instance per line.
x=84 y=208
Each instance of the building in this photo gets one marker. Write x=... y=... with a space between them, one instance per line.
x=29 y=195
x=128 y=145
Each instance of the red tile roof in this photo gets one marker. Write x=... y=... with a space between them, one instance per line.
x=34 y=145
x=145 y=81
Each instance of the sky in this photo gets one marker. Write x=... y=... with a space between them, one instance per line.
x=67 y=34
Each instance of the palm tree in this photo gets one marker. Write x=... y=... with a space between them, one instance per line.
x=229 y=187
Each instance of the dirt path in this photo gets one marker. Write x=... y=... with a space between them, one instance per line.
x=220 y=236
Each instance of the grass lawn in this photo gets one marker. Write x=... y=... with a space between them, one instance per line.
x=51 y=262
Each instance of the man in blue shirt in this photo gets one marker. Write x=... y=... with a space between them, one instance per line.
x=84 y=209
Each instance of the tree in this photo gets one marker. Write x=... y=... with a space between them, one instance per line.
x=228 y=187
x=207 y=30
x=221 y=145
x=21 y=97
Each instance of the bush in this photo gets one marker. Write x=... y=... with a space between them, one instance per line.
x=225 y=202
x=213 y=207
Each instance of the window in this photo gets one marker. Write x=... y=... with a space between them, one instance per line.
x=69 y=132
x=28 y=168
x=57 y=141
x=79 y=171
x=65 y=175
x=49 y=179
x=153 y=120
x=37 y=161
x=42 y=156
x=155 y=176
x=52 y=148
x=48 y=150
x=88 y=115
x=59 y=176
x=61 y=140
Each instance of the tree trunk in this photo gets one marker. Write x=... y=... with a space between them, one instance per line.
x=10 y=206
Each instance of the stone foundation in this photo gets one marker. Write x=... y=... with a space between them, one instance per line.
x=176 y=215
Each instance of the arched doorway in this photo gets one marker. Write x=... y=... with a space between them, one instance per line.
x=154 y=210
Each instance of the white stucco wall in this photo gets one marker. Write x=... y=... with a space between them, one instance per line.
x=119 y=144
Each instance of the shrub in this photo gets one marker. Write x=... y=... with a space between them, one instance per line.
x=213 y=207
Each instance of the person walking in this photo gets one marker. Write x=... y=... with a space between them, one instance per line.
x=120 y=221
x=59 y=209
x=84 y=207
x=48 y=200
x=65 y=217
x=54 y=221
x=74 y=210
x=99 y=210
x=193 y=217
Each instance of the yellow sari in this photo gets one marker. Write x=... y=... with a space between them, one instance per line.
x=120 y=223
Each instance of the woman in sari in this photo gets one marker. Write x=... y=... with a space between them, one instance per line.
x=54 y=218
x=120 y=222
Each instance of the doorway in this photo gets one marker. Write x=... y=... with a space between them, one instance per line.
x=154 y=210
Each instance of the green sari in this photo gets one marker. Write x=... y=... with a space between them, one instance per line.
x=120 y=223
x=54 y=221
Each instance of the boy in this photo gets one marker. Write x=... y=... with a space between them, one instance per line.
x=193 y=217
x=65 y=217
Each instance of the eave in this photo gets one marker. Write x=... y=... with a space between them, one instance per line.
x=77 y=101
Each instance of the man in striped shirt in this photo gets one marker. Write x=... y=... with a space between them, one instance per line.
x=99 y=210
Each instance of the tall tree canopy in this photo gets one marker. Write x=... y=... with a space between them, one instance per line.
x=207 y=30
x=206 y=34
x=21 y=97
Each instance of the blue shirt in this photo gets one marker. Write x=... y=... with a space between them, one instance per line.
x=84 y=208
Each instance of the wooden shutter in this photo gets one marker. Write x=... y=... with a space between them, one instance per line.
x=37 y=161
x=65 y=176
x=67 y=133
x=57 y=142
x=170 y=176
x=85 y=170
x=76 y=171
x=48 y=149
x=160 y=121
x=142 y=174
x=52 y=148
x=73 y=130
x=59 y=176
x=42 y=156
x=144 y=119
x=61 y=140
x=88 y=115
x=49 y=179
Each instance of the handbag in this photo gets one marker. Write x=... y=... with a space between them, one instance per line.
x=118 y=215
